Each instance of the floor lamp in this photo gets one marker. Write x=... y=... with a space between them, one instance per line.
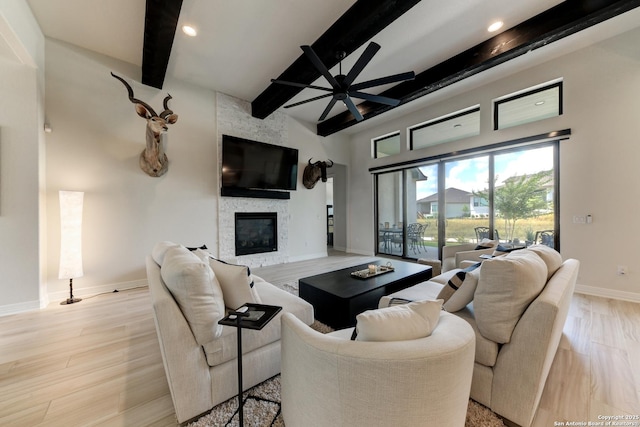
x=70 y=239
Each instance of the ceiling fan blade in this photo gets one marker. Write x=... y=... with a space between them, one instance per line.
x=352 y=107
x=375 y=98
x=362 y=62
x=384 y=80
x=326 y=110
x=308 y=100
x=284 y=82
x=320 y=66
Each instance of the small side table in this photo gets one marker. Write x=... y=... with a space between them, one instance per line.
x=241 y=321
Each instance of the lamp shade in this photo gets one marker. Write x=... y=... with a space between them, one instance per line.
x=70 y=234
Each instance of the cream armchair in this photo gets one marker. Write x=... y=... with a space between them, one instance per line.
x=453 y=256
x=456 y=256
x=329 y=380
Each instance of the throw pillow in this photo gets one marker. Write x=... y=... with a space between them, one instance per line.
x=196 y=290
x=506 y=287
x=203 y=247
x=486 y=244
x=459 y=290
x=160 y=249
x=399 y=323
x=550 y=256
x=235 y=281
x=501 y=250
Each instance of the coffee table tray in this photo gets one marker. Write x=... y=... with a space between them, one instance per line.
x=365 y=274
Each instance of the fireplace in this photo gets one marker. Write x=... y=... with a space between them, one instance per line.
x=256 y=232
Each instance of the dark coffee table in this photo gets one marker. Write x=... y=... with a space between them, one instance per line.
x=337 y=297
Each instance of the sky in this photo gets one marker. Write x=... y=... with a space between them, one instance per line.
x=472 y=174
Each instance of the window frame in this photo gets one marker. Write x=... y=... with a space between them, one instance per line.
x=437 y=121
x=385 y=137
x=533 y=91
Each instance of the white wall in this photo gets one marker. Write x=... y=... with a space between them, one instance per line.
x=598 y=165
x=21 y=136
x=94 y=147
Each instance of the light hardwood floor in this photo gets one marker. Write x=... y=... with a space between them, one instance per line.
x=98 y=362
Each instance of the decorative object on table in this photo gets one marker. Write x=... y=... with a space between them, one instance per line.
x=315 y=171
x=342 y=87
x=153 y=160
x=70 y=239
x=249 y=316
x=373 y=270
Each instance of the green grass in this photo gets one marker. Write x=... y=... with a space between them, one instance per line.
x=462 y=229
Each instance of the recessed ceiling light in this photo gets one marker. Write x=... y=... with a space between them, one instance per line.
x=495 y=26
x=539 y=103
x=189 y=30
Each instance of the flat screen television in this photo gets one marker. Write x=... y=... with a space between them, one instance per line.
x=250 y=164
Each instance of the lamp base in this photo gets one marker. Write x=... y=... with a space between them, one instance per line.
x=71 y=299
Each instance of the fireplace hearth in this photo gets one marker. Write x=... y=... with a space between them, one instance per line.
x=256 y=232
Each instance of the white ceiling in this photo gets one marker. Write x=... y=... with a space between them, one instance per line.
x=242 y=44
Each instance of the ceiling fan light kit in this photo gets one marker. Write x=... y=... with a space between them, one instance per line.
x=342 y=87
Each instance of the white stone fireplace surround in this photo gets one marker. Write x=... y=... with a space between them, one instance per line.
x=234 y=118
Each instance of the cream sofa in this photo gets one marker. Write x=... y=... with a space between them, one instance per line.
x=330 y=380
x=516 y=335
x=202 y=376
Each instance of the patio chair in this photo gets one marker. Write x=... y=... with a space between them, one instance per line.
x=483 y=233
x=414 y=235
x=545 y=237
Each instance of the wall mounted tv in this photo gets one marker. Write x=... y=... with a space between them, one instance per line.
x=252 y=165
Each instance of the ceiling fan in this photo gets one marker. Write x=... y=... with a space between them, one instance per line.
x=342 y=87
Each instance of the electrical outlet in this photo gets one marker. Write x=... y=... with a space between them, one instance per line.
x=578 y=219
x=622 y=270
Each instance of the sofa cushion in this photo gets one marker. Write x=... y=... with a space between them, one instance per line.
x=486 y=350
x=400 y=322
x=235 y=280
x=196 y=290
x=550 y=256
x=506 y=286
x=460 y=289
x=225 y=348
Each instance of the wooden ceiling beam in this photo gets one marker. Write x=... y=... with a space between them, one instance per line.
x=358 y=25
x=160 y=23
x=566 y=18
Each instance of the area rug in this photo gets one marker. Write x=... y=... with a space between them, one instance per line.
x=262 y=406
x=262 y=409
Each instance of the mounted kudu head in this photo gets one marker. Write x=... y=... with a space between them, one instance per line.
x=313 y=172
x=153 y=160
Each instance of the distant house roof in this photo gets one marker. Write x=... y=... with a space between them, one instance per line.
x=451 y=195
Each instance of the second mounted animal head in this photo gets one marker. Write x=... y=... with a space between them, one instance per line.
x=313 y=172
x=153 y=160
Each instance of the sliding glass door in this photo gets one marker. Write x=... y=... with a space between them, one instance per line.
x=390 y=227
x=508 y=194
x=466 y=212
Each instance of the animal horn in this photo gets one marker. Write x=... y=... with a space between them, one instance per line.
x=310 y=161
x=331 y=161
x=167 y=111
x=135 y=100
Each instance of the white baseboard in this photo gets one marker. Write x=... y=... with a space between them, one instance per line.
x=307 y=257
x=6 y=310
x=94 y=290
x=366 y=253
x=608 y=293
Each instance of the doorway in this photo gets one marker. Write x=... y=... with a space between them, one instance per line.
x=337 y=199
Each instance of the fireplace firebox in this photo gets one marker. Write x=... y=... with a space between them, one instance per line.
x=256 y=232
